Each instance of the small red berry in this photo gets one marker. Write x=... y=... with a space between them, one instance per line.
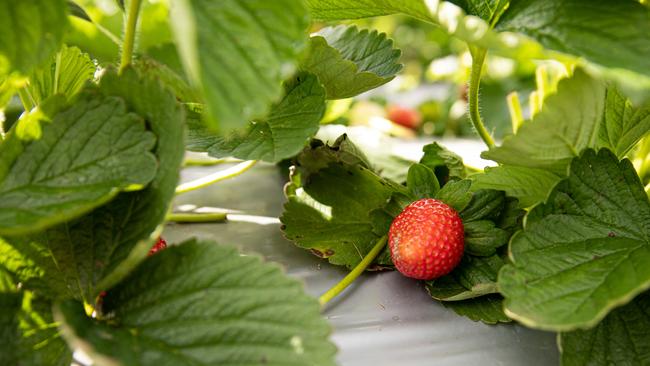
x=406 y=117
x=160 y=245
x=426 y=240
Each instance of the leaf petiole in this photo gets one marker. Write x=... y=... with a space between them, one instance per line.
x=478 y=59
x=356 y=271
x=129 y=33
x=216 y=177
x=197 y=217
x=204 y=162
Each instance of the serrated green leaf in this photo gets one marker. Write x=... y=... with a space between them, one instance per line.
x=169 y=78
x=487 y=309
x=319 y=155
x=80 y=258
x=456 y=194
x=86 y=154
x=474 y=277
x=330 y=214
x=583 y=252
x=567 y=124
x=422 y=182
x=610 y=33
x=620 y=339
x=134 y=219
x=246 y=49
x=449 y=17
x=485 y=204
x=529 y=185
x=30 y=32
x=349 y=62
x=28 y=334
x=623 y=125
x=482 y=238
x=280 y=135
x=446 y=164
x=488 y=10
x=76 y=10
x=200 y=303
x=65 y=74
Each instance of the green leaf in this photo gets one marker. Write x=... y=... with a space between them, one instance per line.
x=330 y=214
x=28 y=334
x=253 y=46
x=422 y=182
x=77 y=11
x=282 y=134
x=445 y=163
x=623 y=125
x=449 y=17
x=66 y=74
x=610 y=33
x=456 y=194
x=482 y=238
x=485 y=204
x=488 y=10
x=583 y=252
x=319 y=155
x=200 y=303
x=169 y=78
x=620 y=339
x=486 y=309
x=80 y=258
x=32 y=266
x=30 y=32
x=529 y=185
x=349 y=62
x=86 y=154
x=567 y=124
x=474 y=277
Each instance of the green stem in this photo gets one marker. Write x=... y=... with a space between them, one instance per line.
x=478 y=59
x=205 y=162
x=358 y=270
x=216 y=177
x=514 y=107
x=197 y=217
x=26 y=98
x=129 y=33
x=108 y=34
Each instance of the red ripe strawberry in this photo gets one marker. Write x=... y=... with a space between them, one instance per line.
x=406 y=117
x=426 y=240
x=160 y=245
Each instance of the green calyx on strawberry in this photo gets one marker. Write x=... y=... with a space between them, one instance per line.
x=426 y=239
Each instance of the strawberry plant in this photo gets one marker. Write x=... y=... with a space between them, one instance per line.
x=555 y=236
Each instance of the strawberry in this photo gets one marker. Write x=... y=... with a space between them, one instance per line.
x=160 y=245
x=426 y=239
x=406 y=117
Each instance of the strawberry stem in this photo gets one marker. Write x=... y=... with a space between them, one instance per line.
x=478 y=58
x=197 y=217
x=129 y=33
x=209 y=162
x=356 y=272
x=216 y=177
